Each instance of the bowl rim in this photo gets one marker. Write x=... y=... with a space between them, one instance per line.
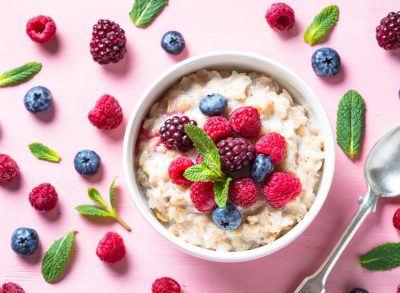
x=237 y=256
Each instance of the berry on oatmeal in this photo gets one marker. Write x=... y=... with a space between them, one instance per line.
x=262 y=168
x=274 y=145
x=173 y=42
x=217 y=127
x=165 y=285
x=11 y=287
x=243 y=192
x=107 y=113
x=173 y=135
x=388 y=31
x=38 y=99
x=9 y=169
x=87 y=162
x=236 y=153
x=325 y=62
x=41 y=29
x=227 y=218
x=396 y=219
x=25 y=241
x=43 y=197
x=202 y=196
x=281 y=188
x=176 y=169
x=246 y=121
x=111 y=248
x=280 y=17
x=213 y=104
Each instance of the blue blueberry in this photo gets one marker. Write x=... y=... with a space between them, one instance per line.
x=87 y=162
x=25 y=241
x=173 y=43
x=262 y=168
x=358 y=290
x=38 y=99
x=325 y=62
x=227 y=218
x=213 y=104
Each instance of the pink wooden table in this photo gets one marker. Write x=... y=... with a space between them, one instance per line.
x=77 y=82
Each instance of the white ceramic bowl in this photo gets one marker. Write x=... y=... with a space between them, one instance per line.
x=235 y=61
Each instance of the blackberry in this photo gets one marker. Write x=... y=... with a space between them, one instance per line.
x=236 y=153
x=173 y=135
x=388 y=31
x=108 y=42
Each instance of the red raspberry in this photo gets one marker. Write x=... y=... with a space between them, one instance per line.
x=11 y=287
x=281 y=188
x=41 y=29
x=9 y=169
x=280 y=17
x=107 y=113
x=111 y=248
x=176 y=169
x=246 y=121
x=199 y=159
x=165 y=285
x=396 y=219
x=217 y=127
x=388 y=31
x=274 y=145
x=243 y=192
x=43 y=197
x=202 y=196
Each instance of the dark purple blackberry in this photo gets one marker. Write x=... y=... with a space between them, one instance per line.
x=236 y=153
x=108 y=42
x=173 y=135
x=388 y=31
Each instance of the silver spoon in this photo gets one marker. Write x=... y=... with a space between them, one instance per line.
x=382 y=174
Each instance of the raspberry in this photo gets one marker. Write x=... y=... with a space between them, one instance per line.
x=280 y=17
x=274 y=145
x=41 y=29
x=217 y=127
x=165 y=285
x=243 y=192
x=173 y=135
x=108 y=42
x=111 y=248
x=281 y=188
x=236 y=153
x=9 y=169
x=396 y=219
x=246 y=121
x=43 y=197
x=176 y=169
x=388 y=31
x=11 y=287
x=202 y=196
x=199 y=159
x=107 y=113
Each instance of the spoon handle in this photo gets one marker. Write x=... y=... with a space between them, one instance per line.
x=316 y=282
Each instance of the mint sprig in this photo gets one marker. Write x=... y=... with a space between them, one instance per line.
x=145 y=11
x=20 y=74
x=322 y=24
x=381 y=258
x=43 y=152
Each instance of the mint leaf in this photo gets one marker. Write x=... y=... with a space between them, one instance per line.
x=221 y=189
x=145 y=11
x=350 y=123
x=112 y=195
x=381 y=258
x=42 y=152
x=20 y=74
x=96 y=197
x=90 y=210
x=57 y=256
x=322 y=24
x=200 y=172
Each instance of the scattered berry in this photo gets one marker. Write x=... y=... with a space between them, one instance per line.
x=107 y=113
x=280 y=17
x=325 y=62
x=43 y=197
x=213 y=104
x=38 y=99
x=243 y=192
x=202 y=196
x=388 y=31
x=41 y=29
x=11 y=287
x=25 y=241
x=396 y=219
x=9 y=169
x=173 y=42
x=227 y=218
x=165 y=285
x=217 y=127
x=108 y=42
x=246 y=121
x=281 y=188
x=358 y=290
x=111 y=248
x=262 y=168
x=177 y=168
x=274 y=145
x=173 y=133
x=87 y=162
x=236 y=153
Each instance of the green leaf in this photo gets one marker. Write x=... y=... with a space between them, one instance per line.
x=96 y=197
x=20 y=74
x=322 y=24
x=57 y=256
x=42 y=152
x=145 y=11
x=350 y=123
x=89 y=210
x=112 y=195
x=221 y=189
x=381 y=258
x=200 y=172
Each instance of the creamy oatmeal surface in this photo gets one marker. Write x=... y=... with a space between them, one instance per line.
x=261 y=224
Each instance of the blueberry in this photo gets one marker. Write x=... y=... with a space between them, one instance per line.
x=213 y=104
x=227 y=218
x=173 y=43
x=38 y=99
x=262 y=168
x=325 y=62
x=25 y=241
x=358 y=290
x=87 y=162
